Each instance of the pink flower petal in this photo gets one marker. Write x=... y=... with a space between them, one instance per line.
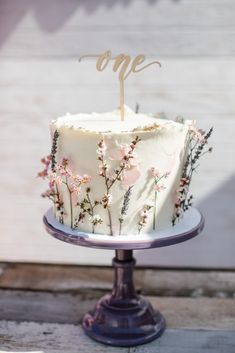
x=130 y=176
x=115 y=154
x=119 y=152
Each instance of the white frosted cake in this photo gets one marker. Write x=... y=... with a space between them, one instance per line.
x=116 y=177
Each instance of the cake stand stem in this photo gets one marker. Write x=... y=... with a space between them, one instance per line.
x=123 y=288
x=123 y=318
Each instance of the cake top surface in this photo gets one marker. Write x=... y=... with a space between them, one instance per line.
x=111 y=121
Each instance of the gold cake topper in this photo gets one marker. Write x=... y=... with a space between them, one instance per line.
x=126 y=66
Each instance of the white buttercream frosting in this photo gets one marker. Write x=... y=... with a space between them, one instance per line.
x=163 y=145
x=111 y=121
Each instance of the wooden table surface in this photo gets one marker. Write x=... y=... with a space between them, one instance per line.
x=41 y=307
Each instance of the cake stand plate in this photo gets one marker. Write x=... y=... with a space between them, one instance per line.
x=124 y=318
x=191 y=225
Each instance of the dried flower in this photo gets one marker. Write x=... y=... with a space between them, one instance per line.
x=198 y=134
x=127 y=172
x=79 y=219
x=125 y=206
x=75 y=188
x=158 y=186
x=130 y=176
x=102 y=148
x=143 y=216
x=61 y=174
x=154 y=172
x=106 y=200
x=65 y=162
x=96 y=219
x=46 y=162
x=86 y=179
x=54 y=150
x=198 y=139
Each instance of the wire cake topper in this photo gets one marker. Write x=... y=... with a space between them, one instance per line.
x=125 y=64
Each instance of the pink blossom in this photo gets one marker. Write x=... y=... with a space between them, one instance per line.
x=198 y=134
x=143 y=213
x=43 y=174
x=65 y=162
x=159 y=188
x=154 y=172
x=86 y=179
x=107 y=200
x=52 y=179
x=166 y=174
x=130 y=176
x=46 y=161
x=102 y=148
x=65 y=171
x=184 y=181
x=48 y=193
x=117 y=154
x=75 y=188
x=143 y=216
x=124 y=153
x=77 y=178
x=58 y=180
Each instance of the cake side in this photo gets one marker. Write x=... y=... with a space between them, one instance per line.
x=114 y=178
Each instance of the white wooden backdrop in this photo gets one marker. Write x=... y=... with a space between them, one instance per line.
x=40 y=79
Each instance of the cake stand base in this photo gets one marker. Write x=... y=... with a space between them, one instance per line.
x=123 y=318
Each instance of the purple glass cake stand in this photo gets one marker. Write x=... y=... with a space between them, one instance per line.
x=124 y=318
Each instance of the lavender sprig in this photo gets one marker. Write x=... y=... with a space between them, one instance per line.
x=54 y=150
x=125 y=206
x=196 y=151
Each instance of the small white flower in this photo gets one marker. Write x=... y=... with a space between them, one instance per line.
x=149 y=205
x=96 y=219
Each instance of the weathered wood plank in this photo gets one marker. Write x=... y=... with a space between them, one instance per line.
x=51 y=338
x=89 y=14
x=199 y=103
x=57 y=278
x=188 y=87
x=205 y=74
x=190 y=341
x=211 y=313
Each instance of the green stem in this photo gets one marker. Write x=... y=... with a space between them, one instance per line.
x=92 y=211
x=108 y=210
x=154 y=211
x=120 y=226
x=117 y=176
x=70 y=202
x=110 y=221
x=71 y=208
x=58 y=200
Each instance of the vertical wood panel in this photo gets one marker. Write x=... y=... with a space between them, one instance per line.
x=40 y=79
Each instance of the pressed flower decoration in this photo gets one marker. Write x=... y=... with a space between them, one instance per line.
x=120 y=166
x=59 y=175
x=158 y=185
x=144 y=215
x=127 y=173
x=198 y=147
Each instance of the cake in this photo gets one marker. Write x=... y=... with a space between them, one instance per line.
x=115 y=177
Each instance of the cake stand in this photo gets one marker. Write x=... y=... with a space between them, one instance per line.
x=125 y=318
